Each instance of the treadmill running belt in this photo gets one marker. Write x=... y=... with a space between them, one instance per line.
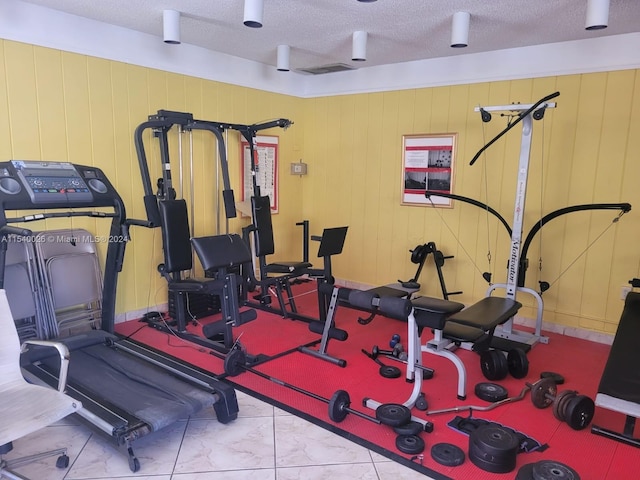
x=134 y=385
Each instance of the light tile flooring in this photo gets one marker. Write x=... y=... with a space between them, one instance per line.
x=264 y=443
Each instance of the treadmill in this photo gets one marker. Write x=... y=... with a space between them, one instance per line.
x=127 y=390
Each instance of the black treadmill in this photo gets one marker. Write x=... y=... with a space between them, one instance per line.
x=127 y=390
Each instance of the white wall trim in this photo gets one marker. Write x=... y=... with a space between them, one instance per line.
x=32 y=24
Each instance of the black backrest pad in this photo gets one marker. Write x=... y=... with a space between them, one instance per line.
x=261 y=211
x=332 y=241
x=221 y=251
x=175 y=235
x=621 y=376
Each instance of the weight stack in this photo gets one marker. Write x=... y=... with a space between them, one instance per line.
x=197 y=305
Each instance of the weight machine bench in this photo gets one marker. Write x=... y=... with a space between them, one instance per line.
x=453 y=325
x=618 y=389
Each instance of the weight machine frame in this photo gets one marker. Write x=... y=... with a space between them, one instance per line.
x=517 y=264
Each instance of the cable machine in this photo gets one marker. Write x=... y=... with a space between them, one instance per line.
x=517 y=263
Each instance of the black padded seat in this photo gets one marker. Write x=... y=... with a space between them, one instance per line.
x=487 y=314
x=387 y=292
x=460 y=333
x=433 y=312
x=286 y=268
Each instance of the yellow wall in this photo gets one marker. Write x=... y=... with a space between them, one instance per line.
x=585 y=151
x=64 y=106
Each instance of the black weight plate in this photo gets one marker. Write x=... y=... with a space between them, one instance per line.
x=559 y=379
x=560 y=403
x=389 y=371
x=550 y=470
x=525 y=472
x=234 y=362
x=543 y=392
x=494 y=365
x=338 y=406
x=411 y=444
x=490 y=392
x=495 y=440
x=579 y=412
x=393 y=414
x=517 y=363
x=411 y=428
x=447 y=454
x=494 y=464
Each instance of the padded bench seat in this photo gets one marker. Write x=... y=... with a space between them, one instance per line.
x=486 y=314
x=433 y=312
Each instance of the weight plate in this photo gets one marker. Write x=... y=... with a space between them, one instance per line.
x=543 y=392
x=560 y=403
x=490 y=392
x=494 y=464
x=493 y=364
x=517 y=363
x=579 y=412
x=234 y=362
x=525 y=472
x=411 y=428
x=411 y=444
x=447 y=454
x=338 y=406
x=495 y=441
x=393 y=414
x=550 y=470
x=389 y=371
x=559 y=379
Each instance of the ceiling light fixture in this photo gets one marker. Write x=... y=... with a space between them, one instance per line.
x=359 y=47
x=460 y=29
x=283 y=58
x=597 y=14
x=253 y=10
x=171 y=26
x=367 y=1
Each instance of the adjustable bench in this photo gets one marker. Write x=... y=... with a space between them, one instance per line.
x=453 y=325
x=618 y=390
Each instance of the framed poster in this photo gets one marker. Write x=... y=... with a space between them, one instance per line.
x=265 y=169
x=427 y=164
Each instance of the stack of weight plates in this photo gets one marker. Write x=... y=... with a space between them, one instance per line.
x=493 y=448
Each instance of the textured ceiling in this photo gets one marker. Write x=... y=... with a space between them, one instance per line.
x=320 y=31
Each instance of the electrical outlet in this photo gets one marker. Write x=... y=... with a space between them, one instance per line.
x=623 y=292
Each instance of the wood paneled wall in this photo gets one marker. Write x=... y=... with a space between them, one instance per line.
x=69 y=107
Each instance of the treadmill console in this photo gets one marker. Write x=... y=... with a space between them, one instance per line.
x=26 y=184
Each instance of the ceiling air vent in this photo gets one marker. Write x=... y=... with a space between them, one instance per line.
x=334 y=67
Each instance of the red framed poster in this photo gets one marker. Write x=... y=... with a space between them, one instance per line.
x=427 y=164
x=265 y=169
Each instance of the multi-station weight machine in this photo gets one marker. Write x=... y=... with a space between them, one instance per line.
x=518 y=262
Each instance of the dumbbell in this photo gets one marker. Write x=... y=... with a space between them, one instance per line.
x=395 y=339
x=397 y=351
x=568 y=406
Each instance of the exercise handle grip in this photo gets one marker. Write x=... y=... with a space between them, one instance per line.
x=521 y=116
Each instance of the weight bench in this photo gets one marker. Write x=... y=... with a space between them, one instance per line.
x=453 y=325
x=618 y=389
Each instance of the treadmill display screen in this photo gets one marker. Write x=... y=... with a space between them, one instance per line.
x=51 y=182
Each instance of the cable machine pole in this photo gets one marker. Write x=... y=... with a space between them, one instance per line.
x=526 y=115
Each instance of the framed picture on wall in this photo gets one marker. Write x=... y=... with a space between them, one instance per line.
x=427 y=164
x=265 y=168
